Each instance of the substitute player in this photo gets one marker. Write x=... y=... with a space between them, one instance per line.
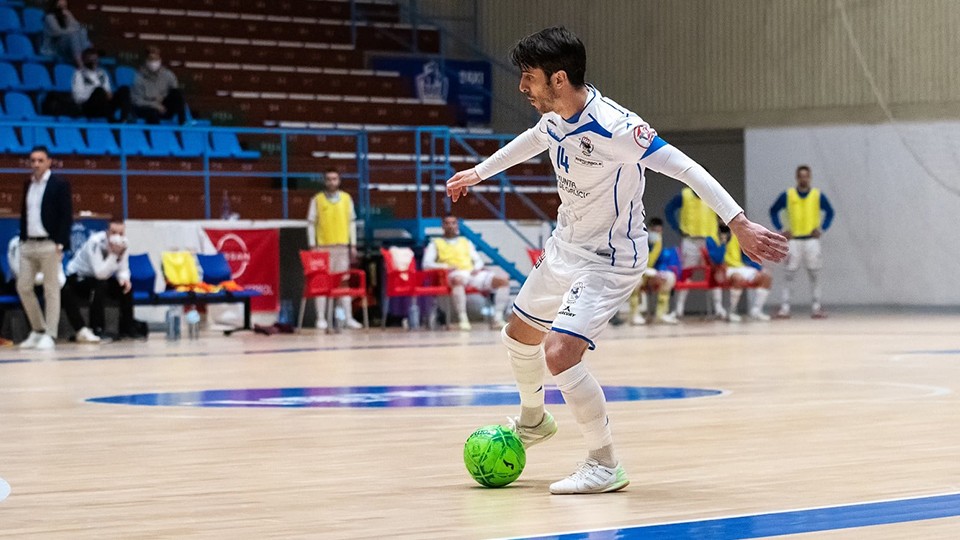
x=809 y=214
x=740 y=272
x=597 y=253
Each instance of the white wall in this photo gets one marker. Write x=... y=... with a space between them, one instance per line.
x=896 y=192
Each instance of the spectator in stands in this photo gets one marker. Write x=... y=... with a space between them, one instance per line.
x=92 y=92
x=696 y=223
x=332 y=226
x=740 y=272
x=156 y=93
x=658 y=277
x=101 y=266
x=46 y=217
x=63 y=36
x=67 y=297
x=458 y=255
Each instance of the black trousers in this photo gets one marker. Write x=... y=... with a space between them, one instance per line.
x=100 y=106
x=102 y=291
x=173 y=103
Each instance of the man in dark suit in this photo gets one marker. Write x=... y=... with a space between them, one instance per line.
x=45 y=222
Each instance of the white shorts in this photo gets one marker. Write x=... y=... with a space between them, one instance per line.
x=339 y=257
x=691 y=251
x=482 y=280
x=573 y=294
x=806 y=252
x=747 y=273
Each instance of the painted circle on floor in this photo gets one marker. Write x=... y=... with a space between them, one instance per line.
x=4 y=489
x=385 y=396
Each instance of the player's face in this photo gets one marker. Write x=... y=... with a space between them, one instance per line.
x=451 y=227
x=657 y=229
x=118 y=229
x=535 y=85
x=331 y=181
x=803 y=179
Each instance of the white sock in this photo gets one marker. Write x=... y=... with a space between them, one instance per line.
x=529 y=367
x=788 y=277
x=500 y=298
x=735 y=299
x=759 y=299
x=459 y=295
x=718 y=300
x=346 y=304
x=583 y=394
x=320 y=303
x=681 y=301
x=817 y=288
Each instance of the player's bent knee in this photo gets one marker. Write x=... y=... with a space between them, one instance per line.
x=521 y=332
x=563 y=351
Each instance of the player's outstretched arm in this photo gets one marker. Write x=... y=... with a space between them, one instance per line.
x=758 y=242
x=528 y=144
x=459 y=184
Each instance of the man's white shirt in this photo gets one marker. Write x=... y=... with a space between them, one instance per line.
x=95 y=260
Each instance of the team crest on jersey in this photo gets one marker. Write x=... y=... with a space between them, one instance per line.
x=586 y=145
x=644 y=135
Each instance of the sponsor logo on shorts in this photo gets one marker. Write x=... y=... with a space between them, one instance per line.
x=588 y=162
x=565 y=311
x=574 y=294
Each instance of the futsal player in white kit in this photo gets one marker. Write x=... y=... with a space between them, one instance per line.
x=596 y=256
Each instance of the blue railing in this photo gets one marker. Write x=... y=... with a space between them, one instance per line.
x=430 y=168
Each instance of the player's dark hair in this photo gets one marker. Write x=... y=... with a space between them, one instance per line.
x=329 y=170
x=803 y=168
x=552 y=49
x=655 y=222
x=450 y=215
x=723 y=229
x=40 y=148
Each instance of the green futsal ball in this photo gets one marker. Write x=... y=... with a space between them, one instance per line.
x=494 y=456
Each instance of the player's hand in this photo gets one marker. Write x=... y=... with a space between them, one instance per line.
x=816 y=233
x=126 y=286
x=353 y=254
x=458 y=185
x=759 y=243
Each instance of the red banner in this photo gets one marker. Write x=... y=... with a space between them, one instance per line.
x=254 y=257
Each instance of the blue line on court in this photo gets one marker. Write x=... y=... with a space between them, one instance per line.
x=787 y=522
x=4 y=489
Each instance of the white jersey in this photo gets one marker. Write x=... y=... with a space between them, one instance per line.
x=599 y=156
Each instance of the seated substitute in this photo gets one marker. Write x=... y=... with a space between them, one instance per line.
x=741 y=272
x=657 y=277
x=458 y=254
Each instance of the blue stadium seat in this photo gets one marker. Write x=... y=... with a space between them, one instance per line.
x=134 y=142
x=215 y=268
x=124 y=76
x=19 y=47
x=194 y=142
x=36 y=77
x=67 y=140
x=143 y=277
x=225 y=144
x=9 y=21
x=101 y=142
x=63 y=77
x=32 y=20
x=10 y=143
x=165 y=141
x=18 y=106
x=9 y=78
x=38 y=136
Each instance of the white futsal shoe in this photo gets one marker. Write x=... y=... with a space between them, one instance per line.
x=32 y=340
x=638 y=320
x=668 y=318
x=530 y=436
x=734 y=317
x=758 y=315
x=591 y=477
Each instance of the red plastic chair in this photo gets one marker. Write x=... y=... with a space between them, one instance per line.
x=319 y=282
x=409 y=282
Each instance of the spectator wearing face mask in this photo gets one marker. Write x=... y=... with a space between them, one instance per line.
x=155 y=93
x=101 y=267
x=93 y=94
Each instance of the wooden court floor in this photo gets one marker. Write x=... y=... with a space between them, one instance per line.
x=853 y=409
